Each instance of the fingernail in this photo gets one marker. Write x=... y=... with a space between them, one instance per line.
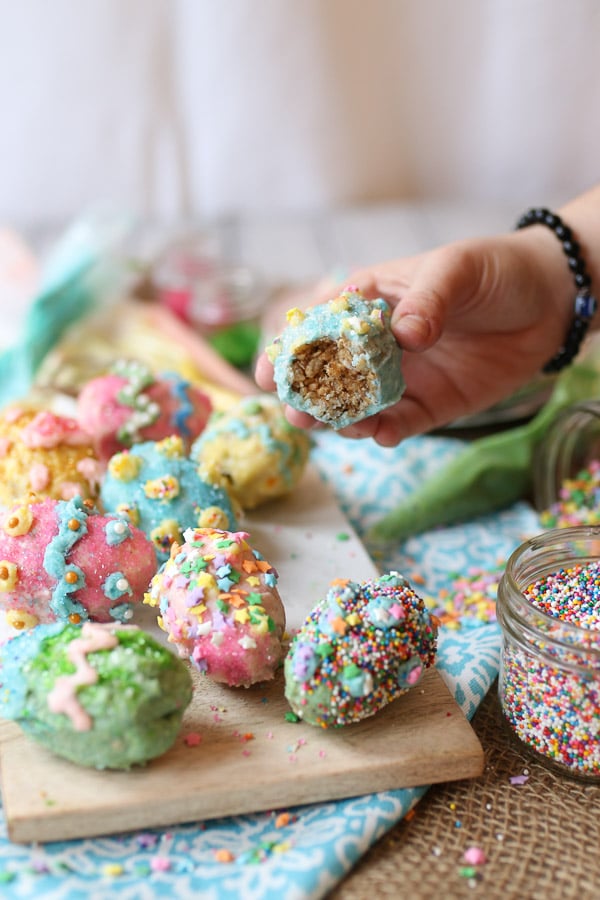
x=415 y=328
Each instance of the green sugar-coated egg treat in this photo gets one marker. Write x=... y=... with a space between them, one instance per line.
x=105 y=696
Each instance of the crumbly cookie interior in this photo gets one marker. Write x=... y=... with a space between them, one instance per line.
x=323 y=373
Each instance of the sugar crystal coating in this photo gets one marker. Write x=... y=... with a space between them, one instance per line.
x=102 y=696
x=220 y=606
x=45 y=453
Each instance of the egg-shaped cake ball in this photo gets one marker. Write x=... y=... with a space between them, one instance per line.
x=102 y=696
x=157 y=486
x=360 y=648
x=61 y=559
x=46 y=453
x=252 y=450
x=338 y=361
x=131 y=405
x=219 y=603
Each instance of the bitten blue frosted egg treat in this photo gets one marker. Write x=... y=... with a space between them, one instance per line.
x=361 y=647
x=338 y=361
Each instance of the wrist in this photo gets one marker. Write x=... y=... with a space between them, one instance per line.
x=583 y=304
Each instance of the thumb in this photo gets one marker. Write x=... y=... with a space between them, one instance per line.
x=442 y=284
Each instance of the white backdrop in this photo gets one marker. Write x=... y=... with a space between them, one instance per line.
x=210 y=107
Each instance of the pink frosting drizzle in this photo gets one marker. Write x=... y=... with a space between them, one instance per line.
x=63 y=696
x=39 y=476
x=49 y=430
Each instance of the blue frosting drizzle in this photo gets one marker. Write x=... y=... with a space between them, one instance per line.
x=117 y=530
x=112 y=589
x=55 y=564
x=14 y=658
x=185 y=408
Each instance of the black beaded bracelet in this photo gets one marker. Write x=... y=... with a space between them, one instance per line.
x=585 y=304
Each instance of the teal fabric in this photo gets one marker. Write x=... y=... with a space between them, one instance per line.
x=307 y=857
x=84 y=268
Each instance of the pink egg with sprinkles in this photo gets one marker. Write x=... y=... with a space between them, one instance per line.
x=130 y=405
x=63 y=560
x=220 y=606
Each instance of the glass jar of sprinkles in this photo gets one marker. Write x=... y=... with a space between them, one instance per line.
x=549 y=683
x=567 y=468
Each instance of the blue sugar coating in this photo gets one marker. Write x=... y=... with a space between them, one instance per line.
x=122 y=612
x=111 y=587
x=193 y=493
x=117 y=530
x=364 y=327
x=14 y=657
x=55 y=558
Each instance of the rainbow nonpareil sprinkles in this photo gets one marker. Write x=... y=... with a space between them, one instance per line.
x=571 y=595
x=550 y=681
x=361 y=647
x=578 y=501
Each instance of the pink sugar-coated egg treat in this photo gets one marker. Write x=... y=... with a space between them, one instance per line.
x=46 y=453
x=130 y=405
x=63 y=560
x=220 y=606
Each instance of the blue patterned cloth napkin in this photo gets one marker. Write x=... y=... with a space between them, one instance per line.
x=304 y=853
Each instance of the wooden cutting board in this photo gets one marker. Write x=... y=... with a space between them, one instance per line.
x=236 y=752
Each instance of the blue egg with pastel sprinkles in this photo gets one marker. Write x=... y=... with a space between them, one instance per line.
x=156 y=487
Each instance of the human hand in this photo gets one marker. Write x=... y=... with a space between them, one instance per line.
x=476 y=320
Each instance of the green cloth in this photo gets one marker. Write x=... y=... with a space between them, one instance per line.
x=490 y=473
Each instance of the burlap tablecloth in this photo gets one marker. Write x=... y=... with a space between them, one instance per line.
x=541 y=838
